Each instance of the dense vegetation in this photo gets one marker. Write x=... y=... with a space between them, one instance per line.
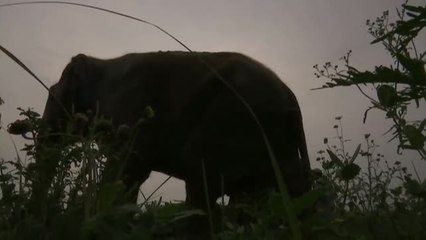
x=69 y=199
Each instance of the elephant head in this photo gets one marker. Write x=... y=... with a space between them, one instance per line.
x=74 y=93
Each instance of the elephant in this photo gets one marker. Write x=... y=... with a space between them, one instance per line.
x=201 y=131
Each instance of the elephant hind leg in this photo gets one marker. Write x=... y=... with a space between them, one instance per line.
x=198 y=197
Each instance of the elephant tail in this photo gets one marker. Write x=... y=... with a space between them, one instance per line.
x=303 y=150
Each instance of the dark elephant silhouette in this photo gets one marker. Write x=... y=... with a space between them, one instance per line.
x=197 y=118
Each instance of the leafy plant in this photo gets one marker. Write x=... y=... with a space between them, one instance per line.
x=61 y=179
x=398 y=86
x=379 y=193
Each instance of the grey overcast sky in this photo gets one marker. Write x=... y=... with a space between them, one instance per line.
x=289 y=36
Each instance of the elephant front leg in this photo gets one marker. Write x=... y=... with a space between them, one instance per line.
x=131 y=173
x=197 y=197
x=133 y=177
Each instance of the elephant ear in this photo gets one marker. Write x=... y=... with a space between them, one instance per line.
x=81 y=71
x=80 y=66
x=80 y=83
